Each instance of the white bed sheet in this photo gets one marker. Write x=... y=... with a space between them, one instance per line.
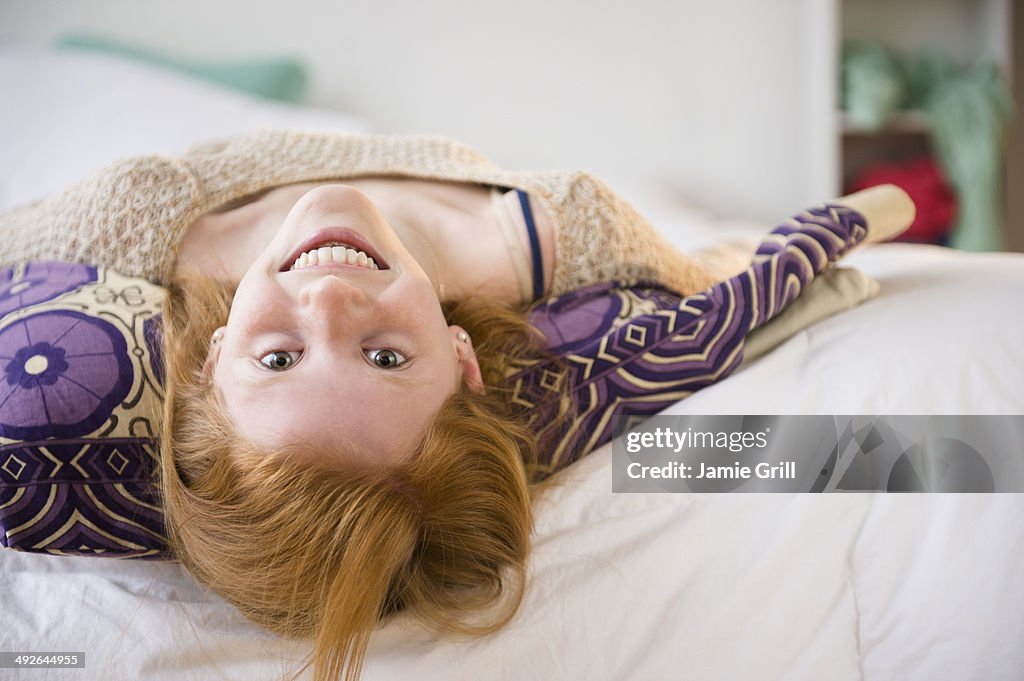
x=622 y=586
x=662 y=586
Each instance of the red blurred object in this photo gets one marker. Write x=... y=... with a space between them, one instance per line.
x=924 y=181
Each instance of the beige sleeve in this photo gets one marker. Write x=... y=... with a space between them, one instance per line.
x=833 y=291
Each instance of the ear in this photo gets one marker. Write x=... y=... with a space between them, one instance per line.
x=212 y=355
x=470 y=367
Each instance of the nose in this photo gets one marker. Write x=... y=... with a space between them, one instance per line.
x=333 y=303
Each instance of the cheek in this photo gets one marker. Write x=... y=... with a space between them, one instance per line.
x=242 y=316
x=413 y=299
x=256 y=302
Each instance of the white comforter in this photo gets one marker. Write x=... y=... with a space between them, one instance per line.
x=636 y=586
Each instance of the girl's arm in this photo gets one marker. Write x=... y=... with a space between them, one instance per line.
x=634 y=351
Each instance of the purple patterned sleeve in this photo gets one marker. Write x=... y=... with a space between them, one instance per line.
x=793 y=253
x=632 y=351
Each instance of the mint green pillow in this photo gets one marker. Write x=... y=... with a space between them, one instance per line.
x=282 y=78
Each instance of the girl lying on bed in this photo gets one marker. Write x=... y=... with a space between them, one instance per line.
x=359 y=402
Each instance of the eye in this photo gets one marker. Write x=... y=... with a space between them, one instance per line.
x=278 y=360
x=386 y=358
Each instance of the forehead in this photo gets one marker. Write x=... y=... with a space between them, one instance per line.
x=375 y=420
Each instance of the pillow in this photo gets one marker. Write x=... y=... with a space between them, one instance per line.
x=282 y=78
x=68 y=113
x=81 y=394
x=833 y=291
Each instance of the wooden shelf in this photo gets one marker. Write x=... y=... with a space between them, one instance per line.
x=901 y=123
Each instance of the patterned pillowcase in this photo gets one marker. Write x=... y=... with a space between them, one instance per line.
x=81 y=394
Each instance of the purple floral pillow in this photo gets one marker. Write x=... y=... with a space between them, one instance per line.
x=81 y=393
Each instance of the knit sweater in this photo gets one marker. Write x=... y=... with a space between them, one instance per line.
x=133 y=215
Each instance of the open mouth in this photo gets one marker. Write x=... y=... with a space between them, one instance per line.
x=335 y=246
x=336 y=254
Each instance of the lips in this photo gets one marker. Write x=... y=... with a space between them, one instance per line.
x=335 y=235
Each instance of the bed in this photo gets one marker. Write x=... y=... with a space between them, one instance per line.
x=622 y=586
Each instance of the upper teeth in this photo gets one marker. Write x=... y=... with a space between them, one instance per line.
x=336 y=254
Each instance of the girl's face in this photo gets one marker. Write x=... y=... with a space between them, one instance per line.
x=344 y=358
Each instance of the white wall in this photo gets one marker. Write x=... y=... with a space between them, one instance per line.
x=721 y=100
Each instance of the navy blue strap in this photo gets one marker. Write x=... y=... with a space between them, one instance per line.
x=531 y=231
